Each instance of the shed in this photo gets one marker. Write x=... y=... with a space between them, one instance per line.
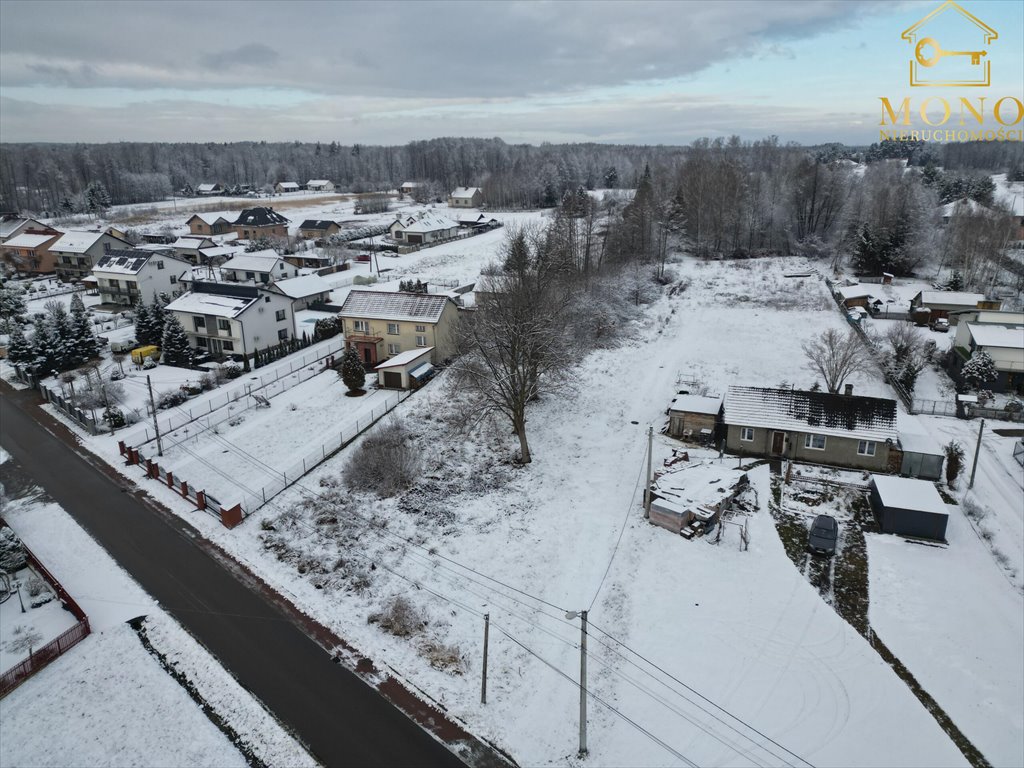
x=690 y=416
x=697 y=493
x=406 y=370
x=908 y=507
x=922 y=456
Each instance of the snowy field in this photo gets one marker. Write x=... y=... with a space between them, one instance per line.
x=108 y=701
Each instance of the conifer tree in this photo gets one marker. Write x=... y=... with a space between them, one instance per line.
x=352 y=372
x=979 y=370
x=83 y=342
x=175 y=347
x=19 y=351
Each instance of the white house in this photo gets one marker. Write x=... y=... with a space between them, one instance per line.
x=257 y=267
x=205 y=190
x=422 y=228
x=320 y=185
x=304 y=290
x=229 y=319
x=1001 y=335
x=124 y=276
x=284 y=187
x=409 y=187
x=78 y=250
x=466 y=197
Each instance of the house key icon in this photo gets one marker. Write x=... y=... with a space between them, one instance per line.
x=939 y=53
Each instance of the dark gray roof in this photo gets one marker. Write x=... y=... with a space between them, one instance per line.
x=388 y=305
x=260 y=217
x=323 y=224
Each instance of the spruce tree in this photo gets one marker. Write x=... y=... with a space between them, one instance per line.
x=143 y=324
x=62 y=346
x=83 y=342
x=12 y=304
x=19 y=351
x=158 y=318
x=175 y=347
x=979 y=370
x=352 y=371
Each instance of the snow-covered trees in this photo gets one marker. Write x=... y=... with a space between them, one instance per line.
x=904 y=355
x=12 y=305
x=97 y=199
x=352 y=372
x=979 y=370
x=148 y=330
x=19 y=351
x=175 y=346
x=835 y=357
x=83 y=342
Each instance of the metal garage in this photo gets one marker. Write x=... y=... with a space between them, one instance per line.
x=406 y=370
x=908 y=507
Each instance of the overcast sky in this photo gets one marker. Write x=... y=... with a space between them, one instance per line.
x=381 y=73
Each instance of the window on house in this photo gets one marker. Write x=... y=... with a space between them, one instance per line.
x=159 y=265
x=224 y=325
x=421 y=341
x=174 y=279
x=747 y=434
x=250 y=276
x=279 y=315
x=866 y=447
x=394 y=349
x=817 y=442
x=199 y=323
x=282 y=335
x=361 y=325
x=229 y=346
x=200 y=341
x=106 y=247
x=265 y=278
x=421 y=329
x=266 y=299
x=393 y=329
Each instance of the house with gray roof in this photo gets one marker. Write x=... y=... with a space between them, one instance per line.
x=78 y=250
x=844 y=430
x=382 y=324
x=123 y=276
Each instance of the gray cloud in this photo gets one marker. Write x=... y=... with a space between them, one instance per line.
x=248 y=55
x=80 y=76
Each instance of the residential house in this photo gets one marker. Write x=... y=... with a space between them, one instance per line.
x=908 y=507
x=854 y=295
x=477 y=221
x=1001 y=335
x=235 y=320
x=382 y=324
x=286 y=187
x=406 y=370
x=965 y=206
x=123 y=276
x=320 y=185
x=309 y=259
x=215 y=223
x=260 y=222
x=78 y=250
x=466 y=197
x=304 y=291
x=422 y=229
x=12 y=226
x=257 y=267
x=694 y=417
x=930 y=305
x=29 y=252
x=189 y=247
x=409 y=187
x=818 y=427
x=206 y=190
x=218 y=254
x=317 y=229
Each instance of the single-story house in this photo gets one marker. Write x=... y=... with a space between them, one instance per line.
x=1001 y=335
x=382 y=324
x=965 y=206
x=818 y=427
x=854 y=295
x=261 y=222
x=215 y=223
x=126 y=275
x=320 y=185
x=303 y=290
x=29 y=253
x=908 y=507
x=409 y=187
x=308 y=259
x=205 y=190
x=691 y=499
x=694 y=417
x=406 y=370
x=189 y=247
x=422 y=229
x=257 y=267
x=949 y=304
x=284 y=187
x=12 y=225
x=230 y=319
x=78 y=250
x=314 y=229
x=466 y=197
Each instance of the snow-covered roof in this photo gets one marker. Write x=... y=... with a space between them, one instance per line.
x=999 y=317
x=410 y=184
x=465 y=193
x=221 y=250
x=317 y=183
x=997 y=336
x=130 y=261
x=853 y=291
x=211 y=304
x=208 y=187
x=77 y=241
x=428 y=222
x=288 y=184
x=954 y=298
x=190 y=241
x=853 y=416
x=387 y=305
x=213 y=217
x=912 y=442
x=404 y=358
x=964 y=206
x=907 y=493
x=320 y=224
x=258 y=261
x=697 y=404
x=29 y=241
x=697 y=484
x=260 y=217
x=10 y=225
x=303 y=286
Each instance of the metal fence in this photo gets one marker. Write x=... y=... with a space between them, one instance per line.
x=79 y=415
x=948 y=408
x=282 y=480
x=270 y=383
x=39 y=658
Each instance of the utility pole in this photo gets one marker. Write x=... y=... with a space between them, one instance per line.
x=483 y=684
x=977 y=450
x=156 y=423
x=583 y=684
x=647 y=490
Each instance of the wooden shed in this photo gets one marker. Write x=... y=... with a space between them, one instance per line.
x=694 y=417
x=406 y=370
x=908 y=507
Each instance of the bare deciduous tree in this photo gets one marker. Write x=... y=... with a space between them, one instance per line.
x=835 y=356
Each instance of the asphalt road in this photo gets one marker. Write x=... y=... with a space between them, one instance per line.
x=340 y=718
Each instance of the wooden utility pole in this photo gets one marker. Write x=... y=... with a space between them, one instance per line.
x=977 y=450
x=483 y=684
x=650 y=479
x=156 y=423
x=583 y=684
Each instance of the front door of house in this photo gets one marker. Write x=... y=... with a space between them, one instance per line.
x=778 y=443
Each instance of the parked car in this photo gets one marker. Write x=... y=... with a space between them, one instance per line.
x=940 y=324
x=823 y=535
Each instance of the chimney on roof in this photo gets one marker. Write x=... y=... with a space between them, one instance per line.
x=848 y=390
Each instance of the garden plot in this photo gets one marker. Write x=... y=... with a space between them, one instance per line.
x=240 y=456
x=42 y=619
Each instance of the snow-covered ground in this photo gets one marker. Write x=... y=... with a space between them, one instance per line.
x=108 y=701
x=18 y=618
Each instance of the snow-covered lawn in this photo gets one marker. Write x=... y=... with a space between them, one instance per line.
x=44 y=622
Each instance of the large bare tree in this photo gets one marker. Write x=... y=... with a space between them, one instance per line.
x=835 y=357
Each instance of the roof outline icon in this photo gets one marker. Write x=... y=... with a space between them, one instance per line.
x=910 y=34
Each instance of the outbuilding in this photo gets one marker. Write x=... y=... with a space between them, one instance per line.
x=922 y=456
x=694 y=417
x=406 y=370
x=908 y=507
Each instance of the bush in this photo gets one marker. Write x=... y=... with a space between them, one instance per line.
x=231 y=370
x=954 y=462
x=12 y=551
x=114 y=417
x=171 y=399
x=399 y=617
x=385 y=462
x=445 y=657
